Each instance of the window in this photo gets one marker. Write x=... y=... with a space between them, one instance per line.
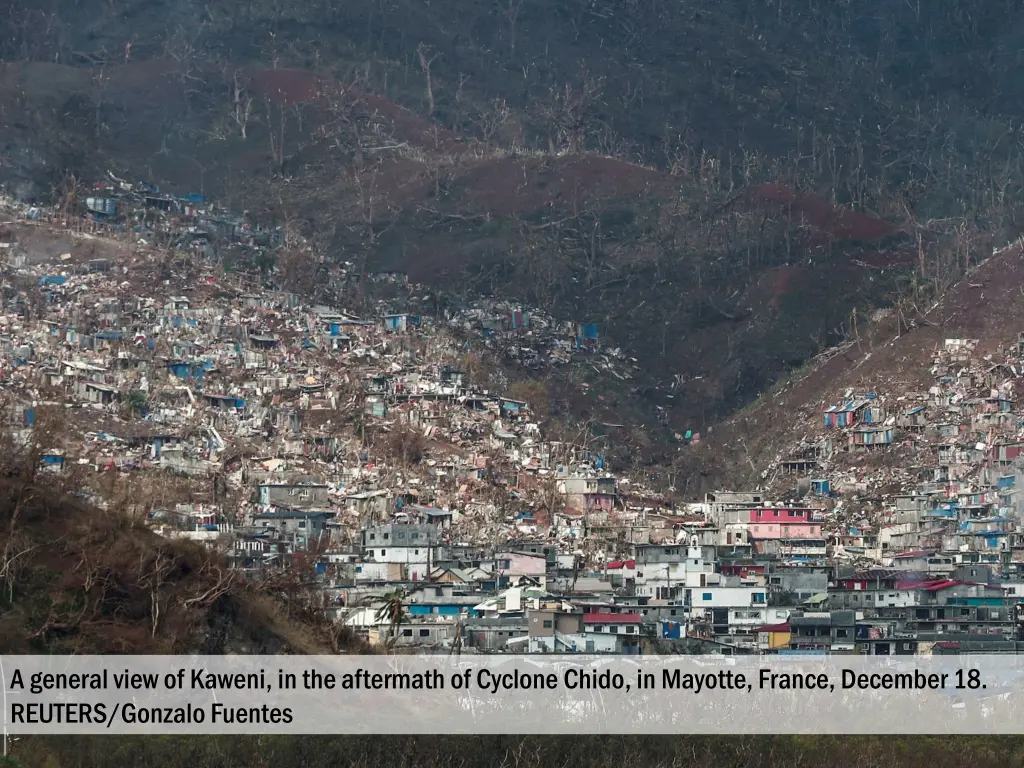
x=383 y=552
x=758 y=597
x=424 y=633
x=438 y=591
x=629 y=630
x=387 y=535
x=706 y=596
x=613 y=629
x=407 y=633
x=415 y=534
x=302 y=523
x=547 y=624
x=842 y=633
x=590 y=645
x=415 y=551
x=373 y=537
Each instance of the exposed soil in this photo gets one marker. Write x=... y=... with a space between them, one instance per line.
x=828 y=222
x=290 y=87
x=987 y=305
x=775 y=283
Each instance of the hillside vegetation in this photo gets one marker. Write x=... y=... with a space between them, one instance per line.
x=78 y=579
x=720 y=185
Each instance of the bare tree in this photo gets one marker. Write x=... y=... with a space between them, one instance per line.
x=185 y=49
x=276 y=133
x=67 y=195
x=566 y=112
x=425 y=59
x=459 y=100
x=492 y=119
x=510 y=10
x=241 y=103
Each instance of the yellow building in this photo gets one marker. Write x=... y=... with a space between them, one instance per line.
x=773 y=637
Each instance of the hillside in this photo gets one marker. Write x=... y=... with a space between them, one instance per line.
x=893 y=355
x=719 y=208
x=77 y=579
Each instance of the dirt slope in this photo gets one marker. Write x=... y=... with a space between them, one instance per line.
x=82 y=580
x=988 y=305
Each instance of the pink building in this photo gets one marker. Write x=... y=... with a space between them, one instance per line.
x=785 y=523
x=785 y=530
x=520 y=564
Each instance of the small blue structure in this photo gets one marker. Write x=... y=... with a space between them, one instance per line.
x=400 y=322
x=671 y=630
x=511 y=407
x=104 y=206
x=53 y=461
x=587 y=337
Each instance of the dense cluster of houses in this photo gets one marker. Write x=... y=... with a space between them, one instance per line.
x=439 y=515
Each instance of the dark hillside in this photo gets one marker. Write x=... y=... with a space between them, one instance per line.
x=719 y=185
x=77 y=579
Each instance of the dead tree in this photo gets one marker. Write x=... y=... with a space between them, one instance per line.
x=492 y=119
x=510 y=10
x=241 y=104
x=566 y=113
x=423 y=53
x=276 y=134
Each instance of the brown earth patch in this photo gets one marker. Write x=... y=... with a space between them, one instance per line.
x=830 y=223
x=523 y=185
x=290 y=87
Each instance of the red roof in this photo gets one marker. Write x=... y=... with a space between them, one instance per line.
x=773 y=628
x=939 y=585
x=611 y=618
x=930 y=585
x=615 y=565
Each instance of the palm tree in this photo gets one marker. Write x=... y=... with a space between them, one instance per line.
x=393 y=612
x=137 y=403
